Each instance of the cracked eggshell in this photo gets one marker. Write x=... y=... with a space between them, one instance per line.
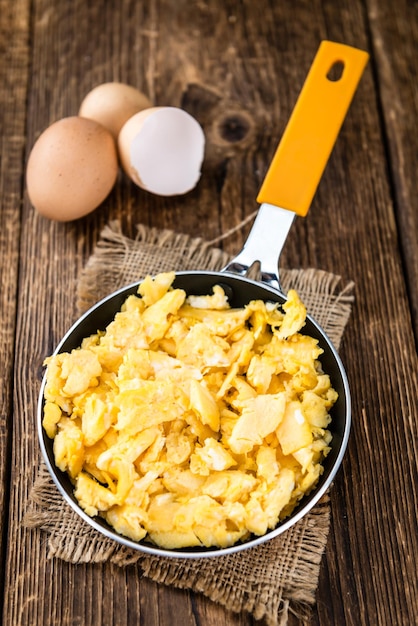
x=71 y=169
x=162 y=149
x=112 y=104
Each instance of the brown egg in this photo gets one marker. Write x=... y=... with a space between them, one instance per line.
x=71 y=169
x=112 y=104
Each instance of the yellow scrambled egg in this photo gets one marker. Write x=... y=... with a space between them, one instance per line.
x=189 y=422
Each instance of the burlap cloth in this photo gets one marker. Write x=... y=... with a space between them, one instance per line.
x=267 y=581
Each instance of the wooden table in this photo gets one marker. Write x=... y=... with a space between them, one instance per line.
x=237 y=67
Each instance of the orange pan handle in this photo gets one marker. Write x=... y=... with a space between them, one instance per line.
x=303 y=152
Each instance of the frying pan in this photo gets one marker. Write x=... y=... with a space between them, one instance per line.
x=287 y=190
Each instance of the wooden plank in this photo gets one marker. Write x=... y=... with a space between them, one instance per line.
x=14 y=67
x=397 y=25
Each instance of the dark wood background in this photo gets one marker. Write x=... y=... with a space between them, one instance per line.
x=237 y=67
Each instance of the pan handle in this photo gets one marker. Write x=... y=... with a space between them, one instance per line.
x=313 y=128
x=302 y=155
x=264 y=245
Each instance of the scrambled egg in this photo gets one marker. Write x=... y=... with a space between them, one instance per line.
x=189 y=422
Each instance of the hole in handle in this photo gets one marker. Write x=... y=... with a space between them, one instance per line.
x=336 y=71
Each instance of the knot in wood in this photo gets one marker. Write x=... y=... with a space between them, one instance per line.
x=233 y=127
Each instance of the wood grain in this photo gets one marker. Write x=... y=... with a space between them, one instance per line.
x=14 y=72
x=238 y=68
x=396 y=75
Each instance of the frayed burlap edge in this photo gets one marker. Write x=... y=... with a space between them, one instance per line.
x=119 y=260
x=268 y=581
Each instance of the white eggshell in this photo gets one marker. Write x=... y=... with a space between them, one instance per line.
x=162 y=149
